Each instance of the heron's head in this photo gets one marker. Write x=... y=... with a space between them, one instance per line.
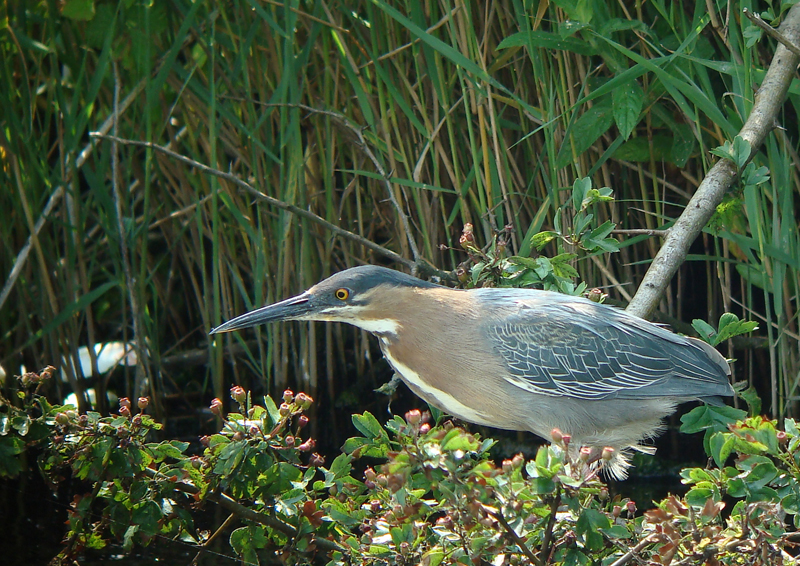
x=358 y=296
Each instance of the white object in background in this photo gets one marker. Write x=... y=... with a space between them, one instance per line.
x=108 y=356
x=91 y=395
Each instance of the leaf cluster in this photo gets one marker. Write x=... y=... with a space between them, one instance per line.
x=576 y=230
x=410 y=491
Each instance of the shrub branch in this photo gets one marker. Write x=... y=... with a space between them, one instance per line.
x=768 y=101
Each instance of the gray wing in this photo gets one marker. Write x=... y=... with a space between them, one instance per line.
x=577 y=348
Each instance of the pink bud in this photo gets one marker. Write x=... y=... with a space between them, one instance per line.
x=308 y=445
x=238 y=394
x=216 y=406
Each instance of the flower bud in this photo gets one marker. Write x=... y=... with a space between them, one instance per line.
x=556 y=435
x=375 y=506
x=316 y=460
x=289 y=440
x=216 y=406
x=62 y=419
x=238 y=435
x=142 y=403
x=284 y=410
x=308 y=445
x=467 y=239
x=413 y=417
x=125 y=411
x=303 y=400
x=238 y=394
x=596 y=295
x=424 y=428
x=446 y=522
x=585 y=454
x=607 y=454
x=124 y=403
x=302 y=421
x=288 y=396
x=205 y=440
x=137 y=420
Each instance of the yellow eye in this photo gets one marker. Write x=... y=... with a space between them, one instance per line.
x=342 y=294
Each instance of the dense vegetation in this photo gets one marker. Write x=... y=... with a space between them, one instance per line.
x=477 y=141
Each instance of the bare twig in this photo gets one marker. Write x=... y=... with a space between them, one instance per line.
x=768 y=101
x=547 y=540
x=513 y=534
x=357 y=131
x=771 y=31
x=625 y=558
x=210 y=540
x=58 y=194
x=641 y=232
x=266 y=198
x=240 y=510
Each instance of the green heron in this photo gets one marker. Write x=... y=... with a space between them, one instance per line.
x=519 y=359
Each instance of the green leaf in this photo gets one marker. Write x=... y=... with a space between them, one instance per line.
x=10 y=448
x=273 y=412
x=738 y=151
x=547 y=40
x=642 y=149
x=246 y=541
x=730 y=326
x=755 y=176
x=580 y=188
x=617 y=532
x=341 y=465
x=79 y=10
x=541 y=239
x=458 y=439
x=753 y=400
x=368 y=425
x=704 y=329
x=751 y=35
x=683 y=144
x=707 y=417
x=592 y=124
x=755 y=275
x=626 y=102
x=721 y=445
x=589 y=524
x=602 y=231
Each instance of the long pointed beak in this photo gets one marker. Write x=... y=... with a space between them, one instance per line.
x=289 y=309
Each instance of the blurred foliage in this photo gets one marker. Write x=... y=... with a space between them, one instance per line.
x=408 y=492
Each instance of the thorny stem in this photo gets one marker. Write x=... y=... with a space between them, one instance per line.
x=544 y=553
x=497 y=514
x=225 y=524
x=246 y=513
